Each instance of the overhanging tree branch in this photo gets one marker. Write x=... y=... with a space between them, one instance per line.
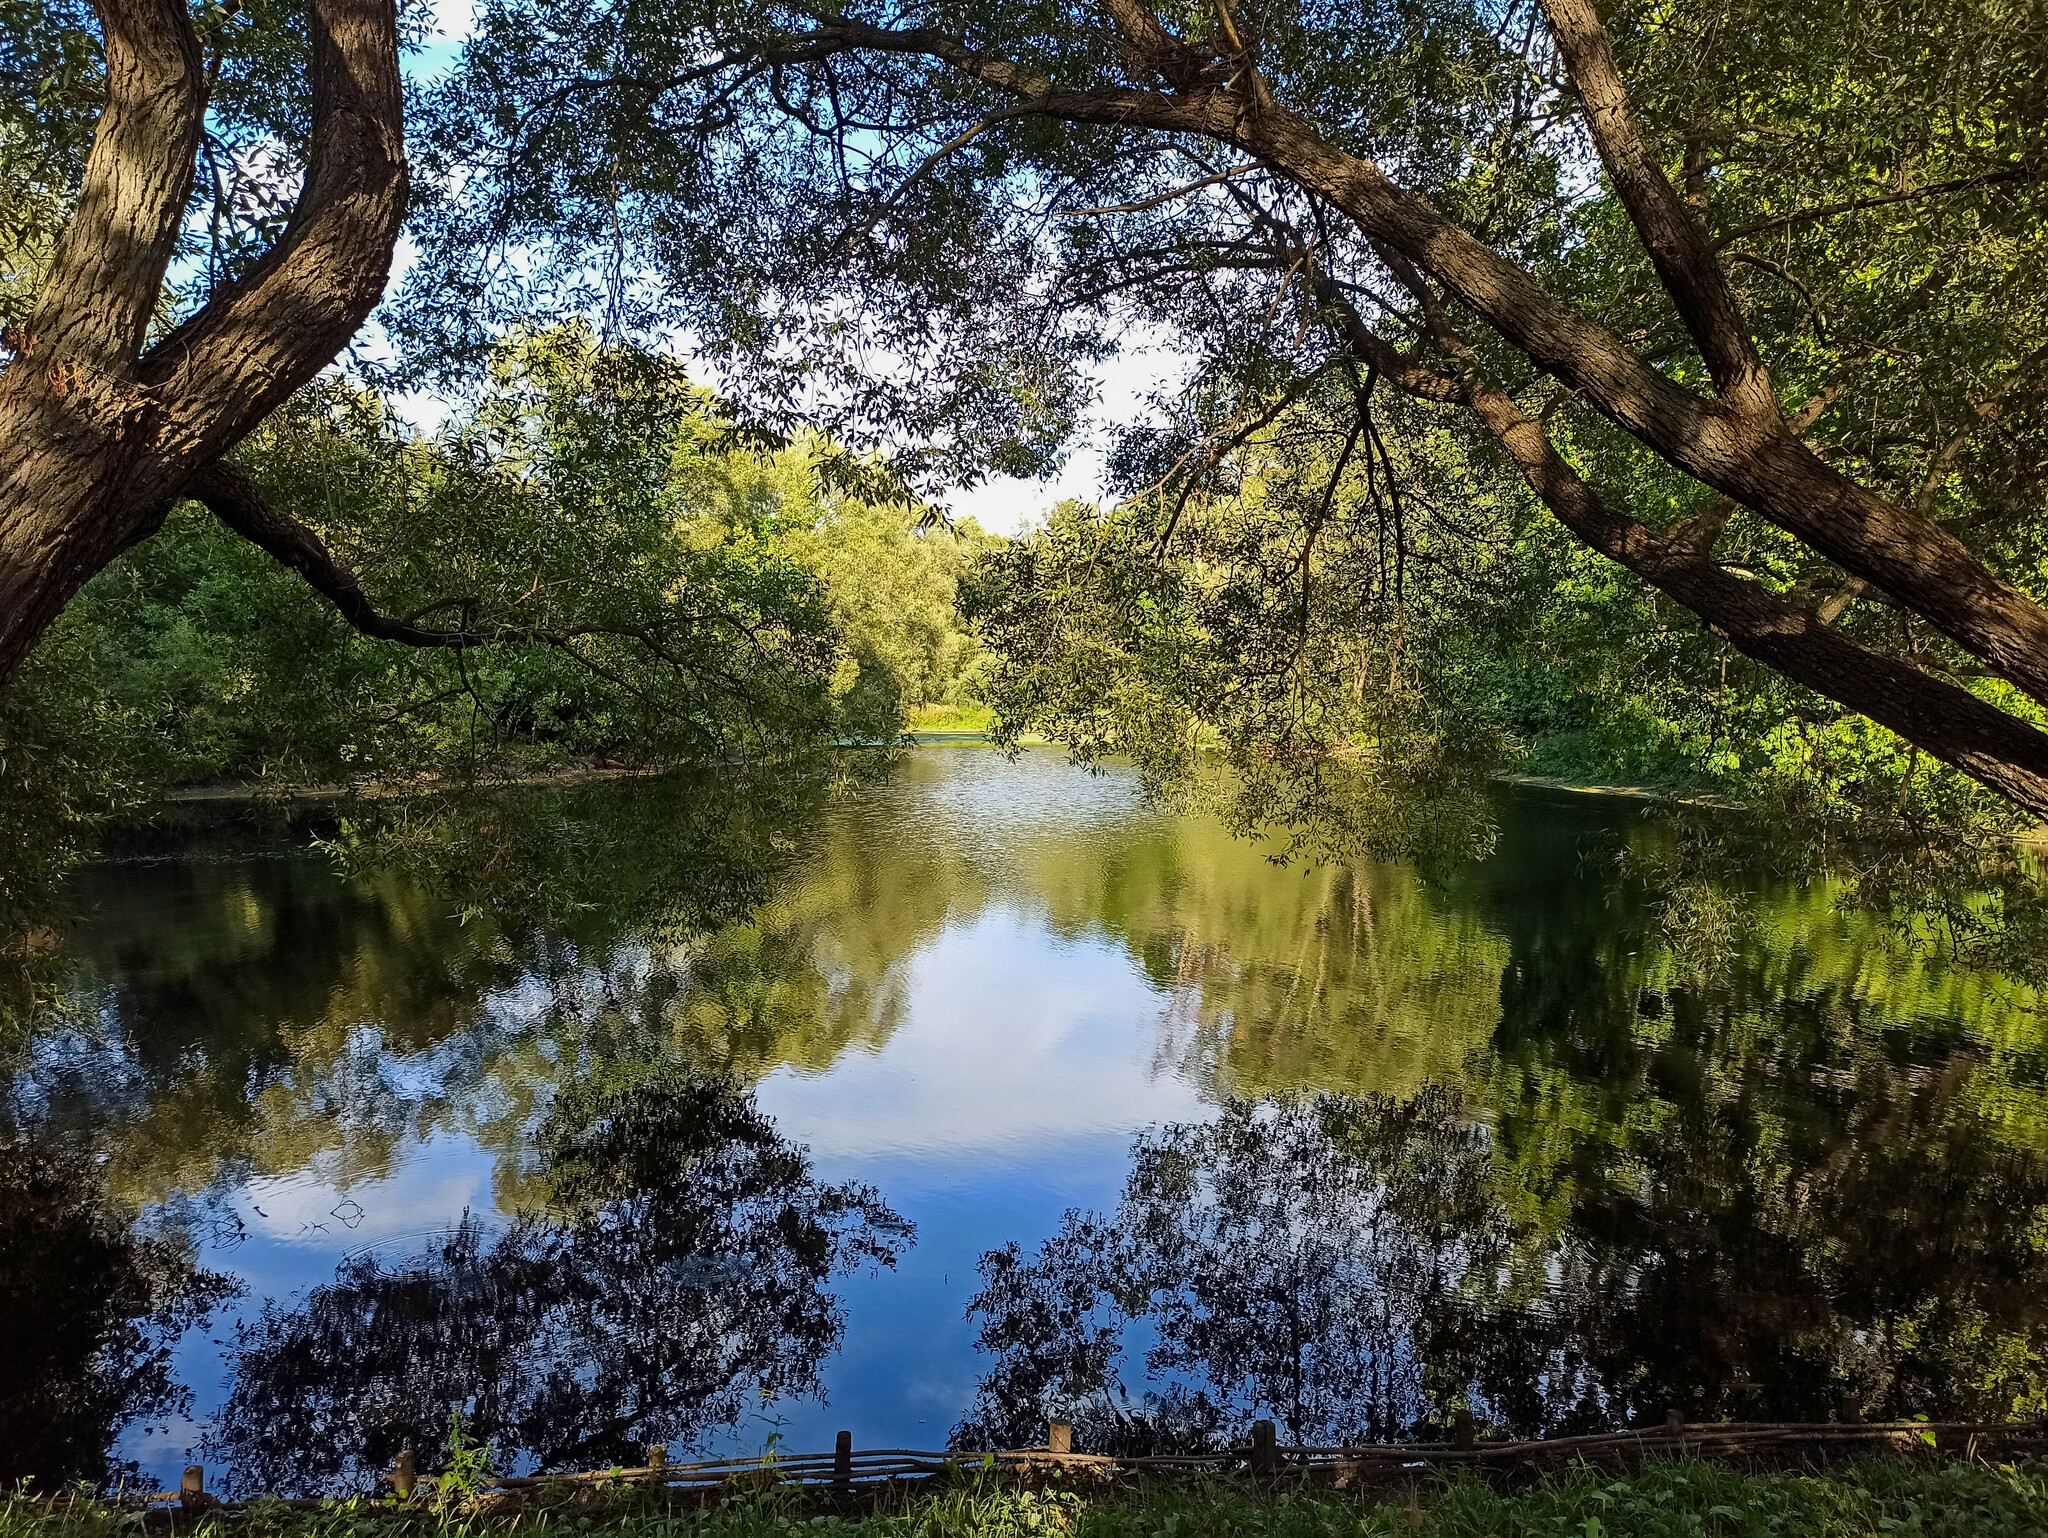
x=1942 y=718
x=230 y=495
x=1755 y=461
x=233 y=497
x=1677 y=248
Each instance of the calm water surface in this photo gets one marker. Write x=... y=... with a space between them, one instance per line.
x=1200 y=1138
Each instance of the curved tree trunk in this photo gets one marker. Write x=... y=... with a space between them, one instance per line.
x=98 y=437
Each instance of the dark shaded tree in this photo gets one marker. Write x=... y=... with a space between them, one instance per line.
x=89 y=1313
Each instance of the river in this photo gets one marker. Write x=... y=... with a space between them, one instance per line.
x=1015 y=1097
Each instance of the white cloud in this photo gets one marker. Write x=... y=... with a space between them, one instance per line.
x=1006 y=1054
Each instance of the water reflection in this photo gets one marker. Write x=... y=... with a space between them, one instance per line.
x=678 y=1285
x=1571 y=1172
x=1358 y=1267
x=88 y=1312
x=1289 y=1258
x=249 y=1009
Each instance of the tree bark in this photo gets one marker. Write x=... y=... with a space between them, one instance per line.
x=99 y=437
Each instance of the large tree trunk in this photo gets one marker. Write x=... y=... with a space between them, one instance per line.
x=97 y=436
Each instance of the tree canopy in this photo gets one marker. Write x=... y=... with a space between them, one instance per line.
x=1748 y=306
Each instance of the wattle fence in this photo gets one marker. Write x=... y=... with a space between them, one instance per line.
x=845 y=1472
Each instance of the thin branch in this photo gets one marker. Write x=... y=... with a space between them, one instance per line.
x=1791 y=280
x=1164 y=197
x=2025 y=171
x=950 y=147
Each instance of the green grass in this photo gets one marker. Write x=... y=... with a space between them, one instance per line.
x=1662 y=1500
x=950 y=718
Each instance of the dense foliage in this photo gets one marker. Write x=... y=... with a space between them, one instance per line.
x=1294 y=559
x=641 y=587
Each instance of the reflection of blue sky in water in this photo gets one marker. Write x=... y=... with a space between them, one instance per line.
x=983 y=979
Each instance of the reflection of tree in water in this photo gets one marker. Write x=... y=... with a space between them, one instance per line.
x=253 y=1013
x=1735 y=1257
x=1816 y=1174
x=1355 y=1268
x=89 y=1311
x=681 y=1280
x=1287 y=1258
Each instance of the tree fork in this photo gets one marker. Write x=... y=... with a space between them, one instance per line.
x=98 y=438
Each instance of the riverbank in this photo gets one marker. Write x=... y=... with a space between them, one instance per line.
x=247 y=793
x=1658 y=1500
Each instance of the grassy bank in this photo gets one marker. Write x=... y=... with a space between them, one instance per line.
x=950 y=718
x=1661 y=1500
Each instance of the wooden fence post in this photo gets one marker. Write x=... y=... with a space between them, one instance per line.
x=1059 y=1437
x=1265 y=1448
x=1852 y=1410
x=1674 y=1423
x=405 y=1475
x=1461 y=1431
x=657 y=1463
x=192 y=1488
x=842 y=1464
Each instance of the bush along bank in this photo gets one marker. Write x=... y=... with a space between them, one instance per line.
x=1660 y=1499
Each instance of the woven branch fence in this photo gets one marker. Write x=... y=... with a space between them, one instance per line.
x=845 y=1471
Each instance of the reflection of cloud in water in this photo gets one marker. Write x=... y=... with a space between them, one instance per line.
x=1000 y=1051
x=429 y=1190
